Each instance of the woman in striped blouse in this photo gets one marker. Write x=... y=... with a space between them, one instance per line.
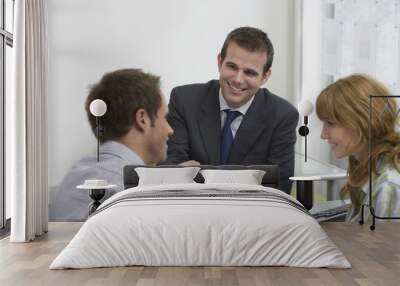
x=343 y=107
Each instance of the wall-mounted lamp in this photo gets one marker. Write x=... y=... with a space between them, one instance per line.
x=98 y=108
x=97 y=188
x=305 y=108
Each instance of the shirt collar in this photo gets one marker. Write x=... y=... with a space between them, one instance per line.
x=242 y=109
x=121 y=151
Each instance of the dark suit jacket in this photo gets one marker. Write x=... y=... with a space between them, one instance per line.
x=266 y=135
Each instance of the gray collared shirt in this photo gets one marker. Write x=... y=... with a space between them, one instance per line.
x=71 y=204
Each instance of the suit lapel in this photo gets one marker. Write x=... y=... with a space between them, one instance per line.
x=210 y=125
x=250 y=129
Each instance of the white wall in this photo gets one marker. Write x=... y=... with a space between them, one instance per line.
x=176 y=39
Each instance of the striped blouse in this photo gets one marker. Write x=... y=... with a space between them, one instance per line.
x=385 y=194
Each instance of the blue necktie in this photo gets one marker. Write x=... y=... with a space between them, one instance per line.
x=227 y=136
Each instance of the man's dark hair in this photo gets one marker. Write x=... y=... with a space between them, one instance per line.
x=124 y=91
x=252 y=40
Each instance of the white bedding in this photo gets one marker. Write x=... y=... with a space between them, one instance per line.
x=182 y=231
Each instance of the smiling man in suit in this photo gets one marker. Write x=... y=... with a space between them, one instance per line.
x=233 y=120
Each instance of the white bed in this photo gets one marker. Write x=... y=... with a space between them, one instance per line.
x=201 y=224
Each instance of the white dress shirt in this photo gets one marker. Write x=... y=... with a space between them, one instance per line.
x=238 y=120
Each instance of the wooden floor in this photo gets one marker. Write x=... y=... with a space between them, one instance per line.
x=374 y=255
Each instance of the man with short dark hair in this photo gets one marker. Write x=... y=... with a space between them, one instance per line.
x=134 y=132
x=233 y=120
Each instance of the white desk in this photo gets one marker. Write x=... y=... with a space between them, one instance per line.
x=308 y=172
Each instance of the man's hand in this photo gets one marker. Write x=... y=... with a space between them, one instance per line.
x=189 y=163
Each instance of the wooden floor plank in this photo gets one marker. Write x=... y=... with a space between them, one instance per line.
x=374 y=255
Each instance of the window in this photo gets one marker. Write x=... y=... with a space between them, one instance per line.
x=6 y=44
x=362 y=36
x=339 y=38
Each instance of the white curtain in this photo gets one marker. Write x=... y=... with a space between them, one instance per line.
x=26 y=143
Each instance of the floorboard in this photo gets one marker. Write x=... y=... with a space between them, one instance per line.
x=374 y=255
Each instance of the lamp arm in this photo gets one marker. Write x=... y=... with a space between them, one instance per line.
x=97 y=135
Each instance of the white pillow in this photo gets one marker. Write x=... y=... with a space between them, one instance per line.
x=163 y=176
x=248 y=177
